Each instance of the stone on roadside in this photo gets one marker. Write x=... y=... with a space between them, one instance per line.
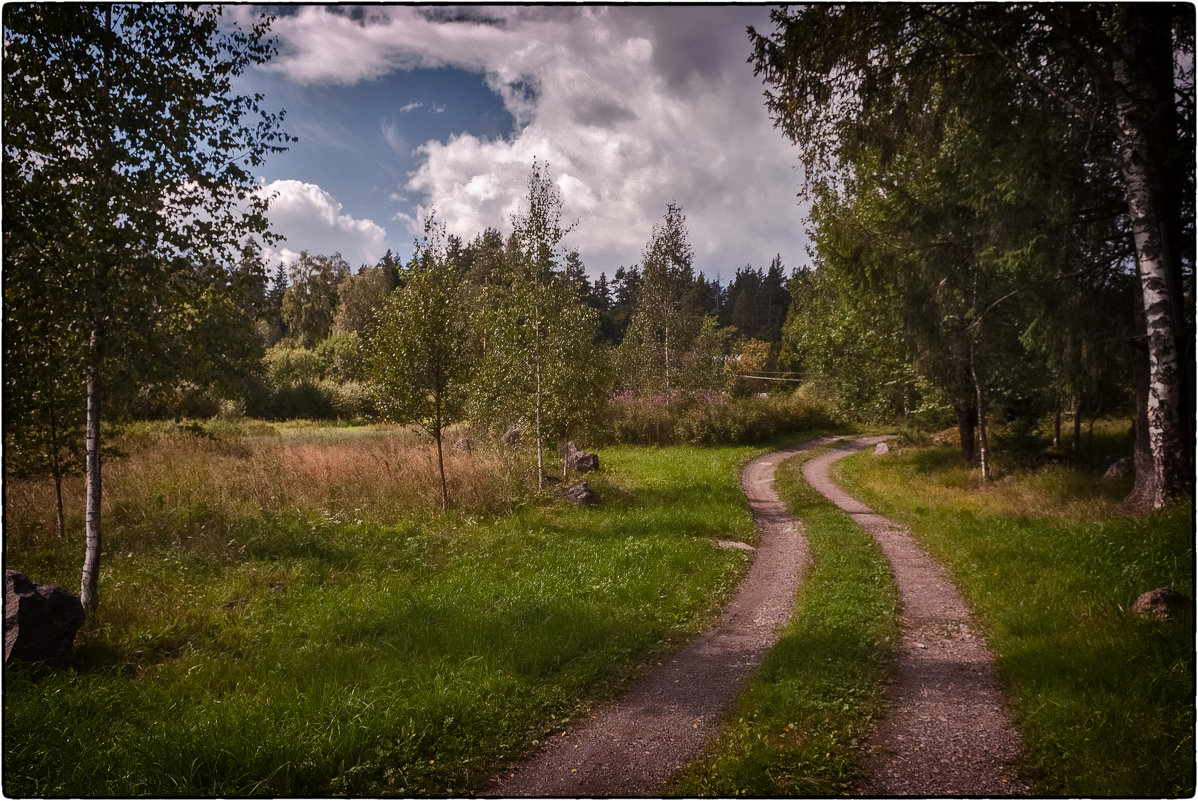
x=580 y=461
x=882 y=449
x=1123 y=468
x=40 y=621
x=581 y=495
x=1162 y=603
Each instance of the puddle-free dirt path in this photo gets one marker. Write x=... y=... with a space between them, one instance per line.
x=631 y=746
x=948 y=731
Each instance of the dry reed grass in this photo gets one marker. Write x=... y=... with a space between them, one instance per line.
x=190 y=490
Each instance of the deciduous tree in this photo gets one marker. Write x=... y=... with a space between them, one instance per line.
x=127 y=158
x=419 y=351
x=845 y=79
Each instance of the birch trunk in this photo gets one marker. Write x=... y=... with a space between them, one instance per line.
x=90 y=581
x=1164 y=402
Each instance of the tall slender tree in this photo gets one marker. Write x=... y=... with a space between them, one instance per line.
x=127 y=158
x=661 y=331
x=540 y=365
x=419 y=350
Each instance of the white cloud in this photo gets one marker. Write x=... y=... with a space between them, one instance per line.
x=406 y=107
x=311 y=219
x=390 y=132
x=631 y=107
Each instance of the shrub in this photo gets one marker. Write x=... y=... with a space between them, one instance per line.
x=711 y=418
x=351 y=400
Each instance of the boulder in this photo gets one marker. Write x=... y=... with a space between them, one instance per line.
x=580 y=461
x=1161 y=603
x=462 y=445
x=581 y=494
x=40 y=621
x=882 y=449
x=512 y=437
x=1123 y=468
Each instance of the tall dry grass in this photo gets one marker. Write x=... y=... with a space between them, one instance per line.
x=200 y=492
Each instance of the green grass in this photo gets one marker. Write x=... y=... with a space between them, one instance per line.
x=797 y=728
x=300 y=649
x=1050 y=566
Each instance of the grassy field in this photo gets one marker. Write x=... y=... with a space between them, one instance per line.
x=284 y=612
x=1051 y=567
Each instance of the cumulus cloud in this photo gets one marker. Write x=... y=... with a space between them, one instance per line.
x=312 y=220
x=630 y=107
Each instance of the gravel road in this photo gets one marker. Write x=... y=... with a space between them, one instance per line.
x=631 y=746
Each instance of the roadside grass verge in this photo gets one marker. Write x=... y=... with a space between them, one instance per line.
x=1051 y=567
x=797 y=728
x=275 y=623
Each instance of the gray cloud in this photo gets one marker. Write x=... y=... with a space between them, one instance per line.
x=631 y=107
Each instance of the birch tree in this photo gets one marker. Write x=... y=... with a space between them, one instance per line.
x=661 y=330
x=419 y=351
x=540 y=364
x=842 y=78
x=127 y=158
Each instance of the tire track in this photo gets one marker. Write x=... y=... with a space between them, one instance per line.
x=948 y=731
x=631 y=746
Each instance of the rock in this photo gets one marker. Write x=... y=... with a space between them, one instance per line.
x=581 y=494
x=1123 y=468
x=462 y=445
x=580 y=461
x=512 y=437
x=1162 y=603
x=882 y=449
x=40 y=621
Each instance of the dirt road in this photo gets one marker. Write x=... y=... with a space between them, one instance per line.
x=633 y=745
x=948 y=731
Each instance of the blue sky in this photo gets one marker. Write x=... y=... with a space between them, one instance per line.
x=403 y=109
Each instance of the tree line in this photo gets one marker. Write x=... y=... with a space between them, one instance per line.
x=1002 y=224
x=1003 y=214
x=511 y=332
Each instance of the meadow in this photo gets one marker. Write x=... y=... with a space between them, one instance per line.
x=285 y=610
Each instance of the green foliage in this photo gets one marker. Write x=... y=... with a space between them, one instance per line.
x=1007 y=243
x=359 y=297
x=420 y=350
x=316 y=384
x=845 y=343
x=661 y=329
x=310 y=301
x=128 y=183
x=340 y=357
x=290 y=366
x=540 y=366
x=712 y=419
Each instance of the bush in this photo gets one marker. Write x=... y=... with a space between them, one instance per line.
x=711 y=418
x=306 y=400
x=351 y=400
x=288 y=366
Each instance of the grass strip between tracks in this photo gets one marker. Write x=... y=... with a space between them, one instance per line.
x=797 y=728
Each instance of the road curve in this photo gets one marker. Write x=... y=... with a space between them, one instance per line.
x=631 y=746
x=948 y=731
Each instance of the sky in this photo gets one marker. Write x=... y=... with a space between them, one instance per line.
x=400 y=110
